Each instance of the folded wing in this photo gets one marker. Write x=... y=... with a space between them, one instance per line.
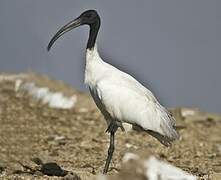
x=128 y=101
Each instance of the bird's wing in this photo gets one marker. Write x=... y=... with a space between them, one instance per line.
x=127 y=100
x=123 y=79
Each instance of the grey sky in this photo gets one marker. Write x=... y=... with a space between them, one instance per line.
x=172 y=46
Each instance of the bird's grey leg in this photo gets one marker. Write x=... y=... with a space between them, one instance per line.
x=112 y=128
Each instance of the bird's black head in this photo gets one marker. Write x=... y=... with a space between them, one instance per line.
x=89 y=17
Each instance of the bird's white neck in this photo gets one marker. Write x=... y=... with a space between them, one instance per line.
x=94 y=65
x=92 y=55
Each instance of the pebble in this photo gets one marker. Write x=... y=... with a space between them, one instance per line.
x=71 y=176
x=52 y=169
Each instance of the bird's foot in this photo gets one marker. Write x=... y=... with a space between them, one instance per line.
x=112 y=127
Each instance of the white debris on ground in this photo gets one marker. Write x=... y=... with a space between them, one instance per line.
x=12 y=77
x=155 y=169
x=130 y=156
x=195 y=114
x=188 y=112
x=53 y=99
x=161 y=170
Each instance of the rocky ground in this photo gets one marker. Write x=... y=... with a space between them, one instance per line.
x=75 y=139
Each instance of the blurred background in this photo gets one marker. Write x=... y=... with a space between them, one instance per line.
x=172 y=47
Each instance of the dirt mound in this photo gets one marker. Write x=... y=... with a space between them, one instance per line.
x=75 y=138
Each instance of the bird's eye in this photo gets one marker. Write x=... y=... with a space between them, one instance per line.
x=88 y=16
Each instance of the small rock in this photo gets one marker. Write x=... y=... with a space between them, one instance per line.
x=59 y=138
x=130 y=156
x=131 y=146
x=1 y=169
x=37 y=161
x=53 y=169
x=212 y=155
x=128 y=145
x=83 y=110
x=204 y=177
x=71 y=176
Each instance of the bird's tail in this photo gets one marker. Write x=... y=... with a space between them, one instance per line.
x=166 y=141
x=164 y=127
x=163 y=139
x=167 y=126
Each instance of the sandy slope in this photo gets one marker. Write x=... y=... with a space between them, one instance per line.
x=75 y=138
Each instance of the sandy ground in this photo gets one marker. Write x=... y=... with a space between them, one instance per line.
x=75 y=139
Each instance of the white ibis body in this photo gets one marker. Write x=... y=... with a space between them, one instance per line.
x=119 y=96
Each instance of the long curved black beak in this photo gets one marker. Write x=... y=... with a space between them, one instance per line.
x=71 y=25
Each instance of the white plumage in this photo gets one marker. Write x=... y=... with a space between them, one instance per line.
x=121 y=98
